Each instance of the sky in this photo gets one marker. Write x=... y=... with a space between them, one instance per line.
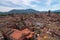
x=40 y=5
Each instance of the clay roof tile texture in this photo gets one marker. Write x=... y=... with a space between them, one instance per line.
x=16 y=35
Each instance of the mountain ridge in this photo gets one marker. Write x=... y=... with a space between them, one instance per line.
x=24 y=11
x=21 y=11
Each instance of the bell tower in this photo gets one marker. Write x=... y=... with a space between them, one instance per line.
x=49 y=12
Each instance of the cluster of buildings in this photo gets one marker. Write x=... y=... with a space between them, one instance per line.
x=30 y=27
x=14 y=34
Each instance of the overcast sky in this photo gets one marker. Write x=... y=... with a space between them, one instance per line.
x=40 y=5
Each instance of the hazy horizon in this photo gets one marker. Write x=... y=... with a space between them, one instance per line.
x=40 y=5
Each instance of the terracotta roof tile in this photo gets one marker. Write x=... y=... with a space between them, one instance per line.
x=17 y=34
x=30 y=35
x=26 y=31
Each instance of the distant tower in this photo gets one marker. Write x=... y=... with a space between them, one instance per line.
x=49 y=13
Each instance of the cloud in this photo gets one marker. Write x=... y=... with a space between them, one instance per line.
x=18 y=3
x=6 y=9
x=49 y=2
x=3 y=9
x=41 y=5
x=8 y=4
x=55 y=7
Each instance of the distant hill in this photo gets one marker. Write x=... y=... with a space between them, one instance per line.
x=56 y=11
x=20 y=11
x=24 y=11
